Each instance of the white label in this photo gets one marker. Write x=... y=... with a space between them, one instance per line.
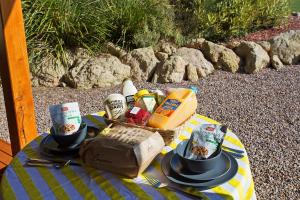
x=135 y=110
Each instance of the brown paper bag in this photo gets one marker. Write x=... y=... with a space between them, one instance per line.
x=124 y=150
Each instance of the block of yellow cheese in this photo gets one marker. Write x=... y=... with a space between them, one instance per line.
x=178 y=106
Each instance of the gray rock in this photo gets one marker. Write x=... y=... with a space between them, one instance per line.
x=170 y=71
x=287 y=47
x=115 y=50
x=195 y=43
x=296 y=14
x=47 y=72
x=276 y=62
x=74 y=54
x=104 y=70
x=221 y=57
x=161 y=56
x=191 y=73
x=142 y=62
x=232 y=44
x=167 y=48
x=254 y=56
x=265 y=45
x=196 y=58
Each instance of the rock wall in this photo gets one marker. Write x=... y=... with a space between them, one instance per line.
x=166 y=63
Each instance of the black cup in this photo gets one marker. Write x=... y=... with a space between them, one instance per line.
x=67 y=141
x=197 y=166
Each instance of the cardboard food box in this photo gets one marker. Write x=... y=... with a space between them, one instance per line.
x=124 y=150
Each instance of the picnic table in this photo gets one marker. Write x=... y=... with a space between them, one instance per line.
x=77 y=182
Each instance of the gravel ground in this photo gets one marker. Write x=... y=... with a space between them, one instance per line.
x=262 y=109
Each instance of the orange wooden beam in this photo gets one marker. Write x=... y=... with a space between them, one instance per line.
x=15 y=76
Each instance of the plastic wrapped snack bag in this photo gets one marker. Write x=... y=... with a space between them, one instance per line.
x=65 y=117
x=204 y=141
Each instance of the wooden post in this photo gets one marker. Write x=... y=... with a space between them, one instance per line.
x=15 y=76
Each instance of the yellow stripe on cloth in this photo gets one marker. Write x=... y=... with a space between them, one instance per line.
x=194 y=122
x=238 y=186
x=250 y=191
x=234 y=141
x=101 y=113
x=182 y=137
x=188 y=129
x=163 y=191
x=135 y=188
x=104 y=184
x=173 y=145
x=225 y=194
x=96 y=121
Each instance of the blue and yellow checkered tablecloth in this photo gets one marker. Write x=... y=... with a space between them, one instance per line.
x=75 y=182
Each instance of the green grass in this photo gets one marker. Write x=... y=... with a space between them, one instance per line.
x=295 y=5
x=56 y=26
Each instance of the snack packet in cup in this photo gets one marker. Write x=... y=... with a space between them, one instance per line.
x=204 y=141
x=66 y=118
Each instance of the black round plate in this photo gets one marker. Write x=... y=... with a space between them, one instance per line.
x=50 y=147
x=218 y=171
x=201 y=185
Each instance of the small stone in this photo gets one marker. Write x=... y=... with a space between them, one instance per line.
x=296 y=14
x=191 y=71
x=167 y=48
x=47 y=72
x=287 y=47
x=142 y=62
x=196 y=58
x=115 y=50
x=161 y=56
x=170 y=71
x=195 y=43
x=276 y=62
x=265 y=45
x=221 y=57
x=255 y=57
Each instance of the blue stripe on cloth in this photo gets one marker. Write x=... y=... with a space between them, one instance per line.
x=98 y=192
x=62 y=179
x=99 y=118
x=151 y=191
x=119 y=186
x=89 y=122
x=213 y=196
x=37 y=179
x=14 y=181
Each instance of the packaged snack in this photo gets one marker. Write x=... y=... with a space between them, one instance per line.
x=137 y=116
x=204 y=141
x=115 y=106
x=65 y=117
x=145 y=100
x=159 y=96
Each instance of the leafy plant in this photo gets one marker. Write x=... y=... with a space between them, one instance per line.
x=53 y=26
x=222 y=19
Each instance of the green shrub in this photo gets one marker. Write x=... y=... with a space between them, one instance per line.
x=52 y=26
x=222 y=19
x=138 y=23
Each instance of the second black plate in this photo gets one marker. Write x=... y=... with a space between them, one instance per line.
x=218 y=171
x=50 y=147
x=201 y=185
